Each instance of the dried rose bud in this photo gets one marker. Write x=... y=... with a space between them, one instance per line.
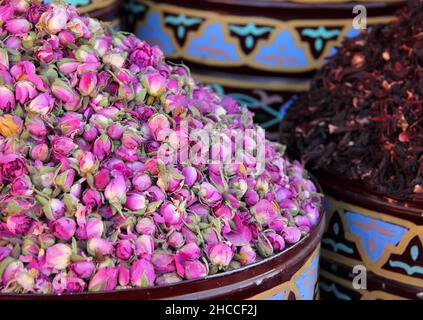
x=65 y=180
x=209 y=194
x=54 y=21
x=264 y=246
x=176 y=239
x=142 y=274
x=220 y=254
x=251 y=197
x=94 y=228
x=58 y=256
x=115 y=191
x=88 y=163
x=88 y=83
x=144 y=247
x=247 y=255
x=40 y=152
x=291 y=235
x=84 y=269
x=98 y=247
x=155 y=84
x=135 y=201
x=18 y=26
x=141 y=182
x=168 y=278
x=124 y=249
x=195 y=270
x=64 y=228
x=159 y=126
x=170 y=214
x=7 y=101
x=145 y=226
x=124 y=276
x=265 y=212
x=42 y=104
x=104 y=279
x=191 y=175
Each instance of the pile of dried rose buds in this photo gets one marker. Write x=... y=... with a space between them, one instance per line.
x=89 y=201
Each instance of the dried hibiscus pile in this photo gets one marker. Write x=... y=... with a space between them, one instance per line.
x=363 y=115
x=90 y=200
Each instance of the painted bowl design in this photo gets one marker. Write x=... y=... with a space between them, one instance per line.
x=290 y=275
x=260 y=52
x=372 y=233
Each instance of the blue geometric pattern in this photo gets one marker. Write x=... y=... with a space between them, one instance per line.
x=212 y=45
x=283 y=52
x=153 y=33
x=306 y=281
x=374 y=234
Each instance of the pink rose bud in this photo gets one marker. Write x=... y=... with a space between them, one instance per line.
x=289 y=206
x=92 y=199
x=11 y=268
x=168 y=278
x=90 y=133
x=291 y=235
x=195 y=270
x=145 y=226
x=62 y=147
x=22 y=186
x=54 y=209
x=18 y=26
x=42 y=104
x=265 y=212
x=142 y=274
x=135 y=202
x=264 y=246
x=104 y=280
x=94 y=228
x=4 y=59
x=278 y=225
x=102 y=147
x=58 y=256
x=40 y=152
x=163 y=261
x=18 y=224
x=190 y=251
x=6 y=12
x=54 y=20
x=144 y=247
x=88 y=163
x=25 y=91
x=209 y=194
x=141 y=182
x=70 y=123
x=98 y=247
x=102 y=179
x=124 y=250
x=124 y=277
x=247 y=255
x=251 y=197
x=278 y=243
x=65 y=179
x=64 y=228
x=115 y=131
x=66 y=94
x=84 y=269
x=155 y=84
x=66 y=38
x=159 y=126
x=36 y=127
x=115 y=191
x=170 y=214
x=191 y=175
x=22 y=69
x=88 y=83
x=176 y=239
x=303 y=221
x=7 y=101
x=221 y=254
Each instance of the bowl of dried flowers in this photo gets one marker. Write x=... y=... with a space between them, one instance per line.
x=360 y=129
x=121 y=177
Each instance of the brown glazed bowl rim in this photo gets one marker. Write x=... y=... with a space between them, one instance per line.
x=356 y=192
x=287 y=259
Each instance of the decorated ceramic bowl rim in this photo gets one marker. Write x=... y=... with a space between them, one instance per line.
x=354 y=191
x=312 y=235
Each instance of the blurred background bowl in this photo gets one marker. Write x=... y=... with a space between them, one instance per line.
x=262 y=53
